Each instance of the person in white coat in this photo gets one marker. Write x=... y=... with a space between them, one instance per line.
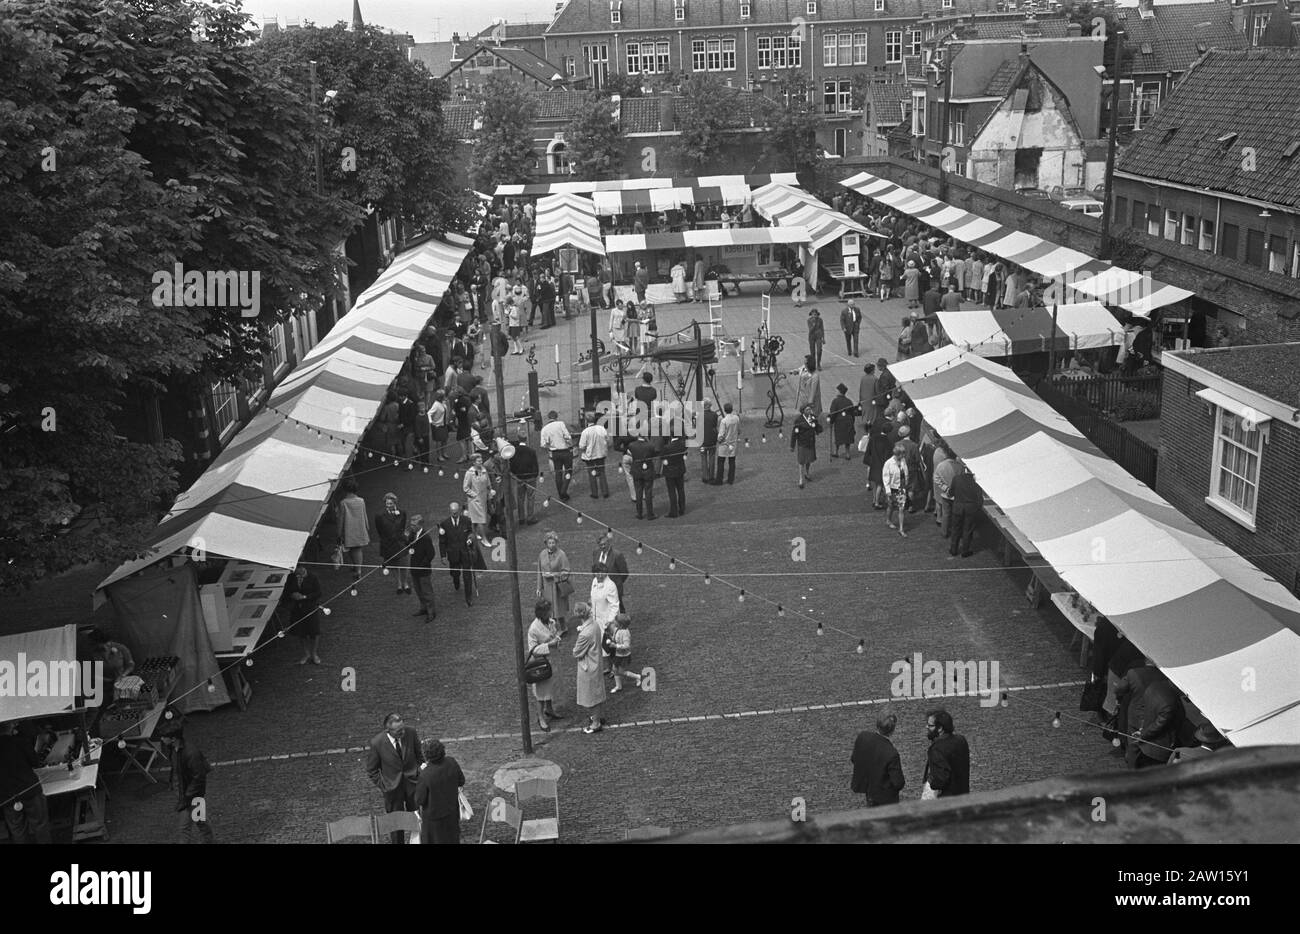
x=678 y=274
x=605 y=606
x=618 y=324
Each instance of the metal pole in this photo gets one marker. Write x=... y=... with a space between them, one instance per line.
x=1108 y=207
x=595 y=346
x=512 y=553
x=1051 y=346
x=943 y=133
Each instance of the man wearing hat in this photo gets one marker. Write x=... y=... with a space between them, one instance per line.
x=189 y=777
x=851 y=324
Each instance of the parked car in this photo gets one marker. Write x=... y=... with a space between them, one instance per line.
x=1036 y=193
x=1090 y=206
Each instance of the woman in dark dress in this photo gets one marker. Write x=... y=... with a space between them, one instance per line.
x=843 y=412
x=803 y=441
x=393 y=543
x=437 y=795
x=879 y=450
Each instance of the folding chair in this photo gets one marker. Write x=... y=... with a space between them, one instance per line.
x=508 y=815
x=349 y=828
x=646 y=833
x=539 y=829
x=386 y=824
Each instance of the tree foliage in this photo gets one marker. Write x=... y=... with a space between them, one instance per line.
x=593 y=140
x=503 y=143
x=706 y=116
x=792 y=121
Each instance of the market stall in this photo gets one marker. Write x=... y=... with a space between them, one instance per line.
x=1009 y=331
x=1202 y=612
x=734 y=255
x=566 y=220
x=786 y=206
x=541 y=189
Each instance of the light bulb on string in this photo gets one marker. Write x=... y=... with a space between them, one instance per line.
x=248 y=663
x=456 y=475
x=746 y=442
x=579 y=520
x=281 y=634
x=1056 y=721
x=568 y=475
x=426 y=470
x=764 y=439
x=386 y=569
x=326 y=610
x=707 y=578
x=862 y=646
x=370 y=454
x=672 y=564
x=383 y=460
x=546 y=503
x=121 y=744
x=352 y=592
x=1115 y=742
x=212 y=688
x=741 y=597
x=410 y=466
x=780 y=610
x=820 y=630
x=1005 y=701
x=639 y=548
x=441 y=473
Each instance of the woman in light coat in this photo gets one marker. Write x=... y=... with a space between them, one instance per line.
x=912 y=284
x=617 y=324
x=354 y=525
x=679 y=281
x=542 y=637
x=808 y=391
x=477 y=487
x=604 y=597
x=553 y=569
x=591 y=677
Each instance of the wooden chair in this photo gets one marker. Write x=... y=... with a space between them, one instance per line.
x=541 y=829
x=386 y=824
x=646 y=833
x=509 y=815
x=350 y=828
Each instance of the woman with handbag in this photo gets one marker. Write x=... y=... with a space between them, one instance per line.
x=394 y=544
x=591 y=678
x=803 y=441
x=553 y=584
x=541 y=636
x=438 y=796
x=895 y=478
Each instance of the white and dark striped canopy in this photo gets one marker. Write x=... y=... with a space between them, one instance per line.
x=1007 y=331
x=540 y=189
x=261 y=498
x=784 y=206
x=566 y=220
x=1091 y=278
x=1203 y=613
x=690 y=239
x=645 y=200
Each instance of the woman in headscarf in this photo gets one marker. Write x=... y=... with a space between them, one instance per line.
x=590 y=668
x=542 y=637
x=808 y=390
x=553 y=584
x=843 y=413
x=803 y=441
x=393 y=543
x=912 y=284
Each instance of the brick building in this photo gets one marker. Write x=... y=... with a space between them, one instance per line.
x=1230 y=449
x=473 y=64
x=1217 y=170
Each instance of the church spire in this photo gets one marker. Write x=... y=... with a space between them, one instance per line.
x=357 y=22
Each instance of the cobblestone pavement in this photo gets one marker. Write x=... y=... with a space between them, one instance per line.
x=718 y=742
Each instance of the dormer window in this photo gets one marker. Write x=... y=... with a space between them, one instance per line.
x=615 y=12
x=812 y=6
x=679 y=10
x=880 y=6
x=744 y=11
x=947 y=4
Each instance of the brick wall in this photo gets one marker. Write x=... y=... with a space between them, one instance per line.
x=1186 y=451
x=1268 y=303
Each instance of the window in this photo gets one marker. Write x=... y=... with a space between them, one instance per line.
x=633 y=50
x=679 y=10
x=893 y=46
x=1121 y=210
x=947 y=4
x=772 y=52
x=1234 y=479
x=557 y=158
x=880 y=6
x=918 y=113
x=846 y=48
x=1255 y=247
x=1258 y=27
x=957 y=125
x=728 y=54
x=663 y=64
x=697 y=55
x=859 y=48
x=570 y=66
x=830 y=48
x=1207 y=235
x=812 y=7
x=1148 y=102
x=845 y=103
x=796 y=51
x=914 y=40
x=616 y=11
x=1171 y=225
x=1139 y=216
x=764 y=51
x=596 y=60
x=277 y=353
x=1153 y=221
x=1277 y=254
x=841 y=141
x=225 y=408
x=715 y=55
x=1189 y=230
x=1228 y=243
x=744 y=11
x=1295 y=260
x=828 y=97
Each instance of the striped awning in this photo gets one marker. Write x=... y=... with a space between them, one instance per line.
x=1007 y=331
x=1203 y=613
x=645 y=200
x=261 y=498
x=566 y=220
x=793 y=207
x=541 y=189
x=689 y=239
x=1091 y=278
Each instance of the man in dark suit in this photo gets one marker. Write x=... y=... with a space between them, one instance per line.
x=851 y=325
x=673 y=454
x=393 y=764
x=967 y=504
x=454 y=541
x=709 y=444
x=462 y=349
x=877 y=770
x=1153 y=715
x=422 y=555
x=642 y=469
x=615 y=564
x=525 y=471
x=947 y=763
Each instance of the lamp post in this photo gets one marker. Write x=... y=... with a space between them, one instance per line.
x=1108 y=208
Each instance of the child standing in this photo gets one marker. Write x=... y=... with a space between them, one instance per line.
x=623 y=653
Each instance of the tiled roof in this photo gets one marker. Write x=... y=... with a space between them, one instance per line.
x=530 y=64
x=1004 y=78
x=1170 y=39
x=912 y=67
x=514 y=31
x=435 y=56
x=559 y=105
x=1268 y=369
x=887 y=102
x=1254 y=94
x=1051 y=28
x=588 y=16
x=459 y=119
x=639 y=115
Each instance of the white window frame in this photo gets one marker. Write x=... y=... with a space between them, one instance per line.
x=744 y=11
x=615 y=13
x=278 y=348
x=846 y=48
x=632 y=57
x=679 y=11
x=1171 y=225
x=893 y=46
x=860 y=48
x=1295 y=260
x=1189 y=229
x=1207 y=235
x=844 y=101
x=728 y=54
x=957 y=124
x=663 y=57
x=713 y=54
x=880 y=6
x=914 y=40
x=1274 y=262
x=225 y=401
x=830 y=50
x=918 y=113
x=763 y=48
x=1257 y=28
x=1226 y=504
x=697 y=55
x=947 y=4
x=571 y=66
x=811 y=7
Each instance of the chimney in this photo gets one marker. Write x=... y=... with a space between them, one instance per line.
x=666 y=115
x=1033 y=30
x=1239 y=16
x=1146 y=9
x=1073 y=30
